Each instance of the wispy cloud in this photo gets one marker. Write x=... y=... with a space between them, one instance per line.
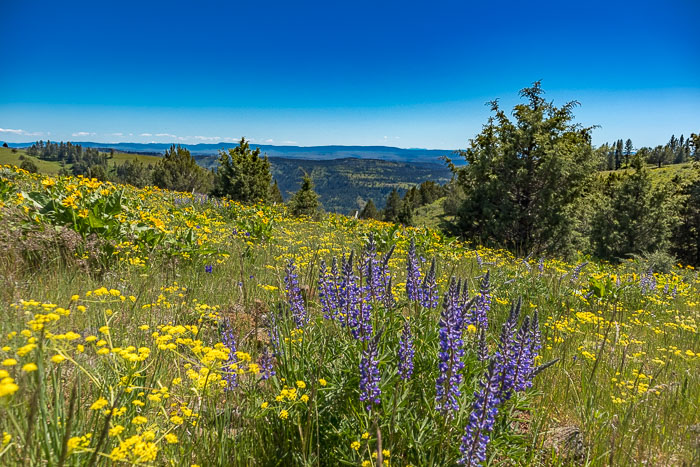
x=166 y=135
x=83 y=133
x=270 y=140
x=145 y=134
x=10 y=130
x=208 y=138
x=117 y=134
x=289 y=142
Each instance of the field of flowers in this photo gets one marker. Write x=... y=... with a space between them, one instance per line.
x=160 y=328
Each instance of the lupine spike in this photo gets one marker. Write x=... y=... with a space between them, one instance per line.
x=370 y=393
x=450 y=355
x=406 y=352
x=294 y=298
x=481 y=419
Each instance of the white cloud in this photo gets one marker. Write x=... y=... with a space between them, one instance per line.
x=289 y=142
x=146 y=134
x=208 y=138
x=166 y=135
x=270 y=141
x=117 y=134
x=9 y=130
x=83 y=133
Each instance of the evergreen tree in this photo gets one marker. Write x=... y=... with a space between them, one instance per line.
x=694 y=142
x=686 y=236
x=275 y=194
x=524 y=179
x=305 y=201
x=369 y=211
x=628 y=151
x=618 y=154
x=178 y=171
x=405 y=216
x=393 y=206
x=660 y=155
x=29 y=166
x=243 y=175
x=631 y=216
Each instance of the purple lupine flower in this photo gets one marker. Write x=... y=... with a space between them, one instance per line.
x=375 y=272
x=648 y=282
x=406 y=353
x=231 y=365
x=540 y=265
x=482 y=350
x=522 y=360
x=328 y=289
x=356 y=310
x=451 y=352
x=577 y=271
x=294 y=298
x=480 y=311
x=481 y=419
x=479 y=261
x=504 y=363
x=208 y=268
x=266 y=365
x=428 y=291
x=412 y=274
x=369 y=374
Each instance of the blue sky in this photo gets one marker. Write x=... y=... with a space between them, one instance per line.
x=407 y=74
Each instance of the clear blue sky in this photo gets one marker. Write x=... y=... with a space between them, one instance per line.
x=407 y=74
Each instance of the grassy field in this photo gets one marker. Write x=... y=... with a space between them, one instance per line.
x=159 y=328
x=10 y=157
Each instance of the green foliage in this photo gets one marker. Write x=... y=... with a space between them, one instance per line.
x=686 y=236
x=524 y=178
x=369 y=211
x=632 y=216
x=242 y=175
x=405 y=216
x=275 y=194
x=178 y=171
x=29 y=166
x=132 y=172
x=305 y=201
x=393 y=206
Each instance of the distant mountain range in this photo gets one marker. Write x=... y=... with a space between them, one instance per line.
x=385 y=153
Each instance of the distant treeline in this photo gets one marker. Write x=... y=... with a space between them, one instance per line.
x=676 y=151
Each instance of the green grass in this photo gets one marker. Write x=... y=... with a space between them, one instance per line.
x=7 y=156
x=10 y=157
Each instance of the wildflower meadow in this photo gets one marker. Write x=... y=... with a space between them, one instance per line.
x=148 y=327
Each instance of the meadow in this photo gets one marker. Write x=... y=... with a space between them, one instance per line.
x=142 y=326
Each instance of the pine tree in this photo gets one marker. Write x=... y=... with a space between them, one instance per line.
x=369 y=211
x=393 y=206
x=178 y=171
x=305 y=201
x=628 y=151
x=618 y=154
x=275 y=194
x=632 y=217
x=405 y=216
x=525 y=179
x=243 y=175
